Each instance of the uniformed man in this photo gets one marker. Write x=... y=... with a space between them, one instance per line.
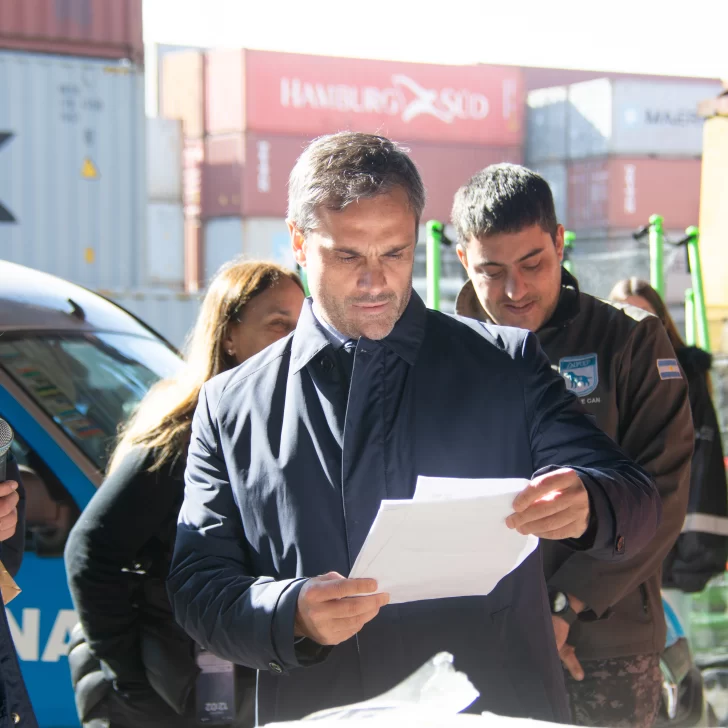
x=608 y=617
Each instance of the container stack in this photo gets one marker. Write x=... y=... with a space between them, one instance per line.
x=615 y=152
x=72 y=152
x=248 y=115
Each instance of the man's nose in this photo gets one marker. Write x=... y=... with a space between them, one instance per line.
x=515 y=286
x=372 y=277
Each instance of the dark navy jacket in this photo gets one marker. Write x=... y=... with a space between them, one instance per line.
x=285 y=477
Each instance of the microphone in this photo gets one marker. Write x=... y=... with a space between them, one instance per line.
x=6 y=440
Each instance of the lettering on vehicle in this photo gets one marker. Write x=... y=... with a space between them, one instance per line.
x=26 y=635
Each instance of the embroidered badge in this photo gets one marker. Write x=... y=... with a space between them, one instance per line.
x=580 y=373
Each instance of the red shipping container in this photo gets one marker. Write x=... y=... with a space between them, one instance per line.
x=247 y=175
x=193 y=155
x=94 y=28
x=302 y=95
x=623 y=193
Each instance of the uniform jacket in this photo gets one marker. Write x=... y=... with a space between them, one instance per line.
x=609 y=355
x=286 y=470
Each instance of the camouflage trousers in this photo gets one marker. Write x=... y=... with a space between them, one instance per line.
x=619 y=693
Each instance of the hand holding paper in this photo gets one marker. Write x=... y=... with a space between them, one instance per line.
x=554 y=506
x=451 y=540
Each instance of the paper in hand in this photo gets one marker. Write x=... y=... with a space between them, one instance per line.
x=451 y=540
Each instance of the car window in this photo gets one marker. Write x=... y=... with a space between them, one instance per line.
x=87 y=384
x=50 y=510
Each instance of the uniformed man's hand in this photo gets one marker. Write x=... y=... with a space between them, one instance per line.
x=330 y=610
x=553 y=506
x=8 y=509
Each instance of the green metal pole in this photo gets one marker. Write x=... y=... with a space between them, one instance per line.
x=689 y=317
x=657 y=243
x=304 y=279
x=569 y=240
x=435 y=231
x=696 y=273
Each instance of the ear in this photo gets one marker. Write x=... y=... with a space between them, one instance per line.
x=298 y=243
x=559 y=242
x=462 y=255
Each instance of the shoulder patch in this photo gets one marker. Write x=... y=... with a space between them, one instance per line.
x=580 y=373
x=669 y=369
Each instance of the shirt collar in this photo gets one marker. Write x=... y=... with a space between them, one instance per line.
x=335 y=336
x=312 y=335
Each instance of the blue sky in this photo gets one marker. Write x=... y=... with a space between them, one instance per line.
x=620 y=35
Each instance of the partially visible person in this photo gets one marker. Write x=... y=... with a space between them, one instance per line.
x=701 y=550
x=118 y=553
x=607 y=617
x=15 y=706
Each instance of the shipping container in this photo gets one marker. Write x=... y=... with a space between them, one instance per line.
x=555 y=173
x=173 y=315
x=194 y=252
x=303 y=95
x=90 y=28
x=636 y=118
x=154 y=54
x=247 y=175
x=223 y=243
x=182 y=92
x=164 y=160
x=165 y=245
x=268 y=239
x=624 y=192
x=546 y=119
x=193 y=157
x=73 y=181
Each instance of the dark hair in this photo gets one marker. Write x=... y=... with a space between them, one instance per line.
x=503 y=198
x=339 y=169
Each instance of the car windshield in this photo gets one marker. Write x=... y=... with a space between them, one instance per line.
x=88 y=384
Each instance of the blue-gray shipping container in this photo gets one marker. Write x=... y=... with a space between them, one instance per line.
x=72 y=168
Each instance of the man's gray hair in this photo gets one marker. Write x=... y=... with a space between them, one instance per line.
x=339 y=169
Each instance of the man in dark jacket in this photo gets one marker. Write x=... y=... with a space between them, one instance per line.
x=618 y=360
x=15 y=707
x=292 y=453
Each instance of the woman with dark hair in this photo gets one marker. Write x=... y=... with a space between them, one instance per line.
x=702 y=548
x=131 y=664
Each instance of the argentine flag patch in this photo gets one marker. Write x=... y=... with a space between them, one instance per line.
x=669 y=369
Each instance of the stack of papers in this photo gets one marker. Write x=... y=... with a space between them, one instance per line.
x=450 y=540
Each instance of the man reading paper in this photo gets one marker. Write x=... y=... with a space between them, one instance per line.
x=293 y=452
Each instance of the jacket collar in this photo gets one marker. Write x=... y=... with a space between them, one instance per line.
x=567 y=309
x=310 y=337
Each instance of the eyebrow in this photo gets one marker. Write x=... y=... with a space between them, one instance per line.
x=528 y=255
x=395 y=249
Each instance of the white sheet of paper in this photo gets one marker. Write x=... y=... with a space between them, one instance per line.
x=450 y=540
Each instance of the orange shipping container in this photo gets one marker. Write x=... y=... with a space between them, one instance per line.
x=623 y=193
x=247 y=175
x=183 y=91
x=91 y=28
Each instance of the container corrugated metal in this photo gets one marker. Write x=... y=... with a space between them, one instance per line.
x=90 y=28
x=306 y=95
x=268 y=239
x=222 y=176
x=182 y=92
x=194 y=244
x=164 y=160
x=223 y=243
x=636 y=118
x=73 y=179
x=625 y=192
x=172 y=315
x=165 y=244
x=154 y=54
x=556 y=174
x=546 y=118
x=193 y=157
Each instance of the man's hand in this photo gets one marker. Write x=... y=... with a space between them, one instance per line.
x=553 y=506
x=571 y=663
x=330 y=611
x=8 y=509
